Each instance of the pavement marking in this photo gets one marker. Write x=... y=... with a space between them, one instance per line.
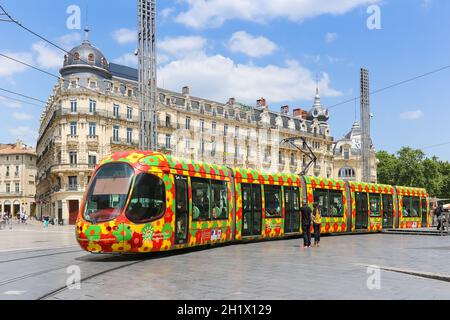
x=14 y=293
x=422 y=274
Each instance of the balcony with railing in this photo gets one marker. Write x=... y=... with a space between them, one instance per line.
x=92 y=140
x=72 y=139
x=123 y=142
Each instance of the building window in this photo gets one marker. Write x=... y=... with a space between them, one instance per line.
x=92 y=129
x=17 y=157
x=188 y=144
x=202 y=147
x=73 y=183
x=280 y=157
x=92 y=106
x=8 y=188
x=73 y=105
x=73 y=158
x=73 y=129
x=17 y=187
x=7 y=169
x=202 y=125
x=225 y=148
x=346 y=154
x=292 y=160
x=214 y=127
x=168 y=142
x=91 y=57
x=76 y=56
x=236 y=131
x=129 y=135
x=129 y=113
x=116 y=109
x=213 y=149
x=17 y=171
x=168 y=121
x=116 y=133
x=225 y=130
x=237 y=151
x=92 y=161
x=92 y=84
x=188 y=123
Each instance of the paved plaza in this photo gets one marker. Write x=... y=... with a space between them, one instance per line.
x=34 y=265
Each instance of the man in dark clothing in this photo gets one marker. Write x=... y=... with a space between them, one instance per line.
x=439 y=215
x=306 y=224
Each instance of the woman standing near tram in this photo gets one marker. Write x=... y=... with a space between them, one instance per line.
x=317 y=223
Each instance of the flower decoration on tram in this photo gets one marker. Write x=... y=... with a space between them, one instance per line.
x=147 y=232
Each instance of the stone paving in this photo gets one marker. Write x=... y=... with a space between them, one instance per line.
x=284 y=270
x=34 y=261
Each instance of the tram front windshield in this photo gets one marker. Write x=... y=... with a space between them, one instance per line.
x=108 y=193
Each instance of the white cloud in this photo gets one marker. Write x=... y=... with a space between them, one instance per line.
x=331 y=37
x=8 y=67
x=48 y=57
x=412 y=115
x=182 y=46
x=23 y=132
x=219 y=78
x=69 y=41
x=125 y=36
x=21 y=116
x=166 y=13
x=128 y=59
x=213 y=13
x=250 y=45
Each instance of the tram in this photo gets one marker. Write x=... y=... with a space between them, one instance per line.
x=140 y=202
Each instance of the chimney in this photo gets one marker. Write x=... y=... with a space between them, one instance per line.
x=298 y=113
x=285 y=109
x=185 y=91
x=231 y=101
x=261 y=103
x=305 y=115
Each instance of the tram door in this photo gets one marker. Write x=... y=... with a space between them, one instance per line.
x=292 y=207
x=362 y=212
x=251 y=210
x=388 y=211
x=424 y=212
x=182 y=210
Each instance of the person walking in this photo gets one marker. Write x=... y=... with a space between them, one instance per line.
x=439 y=216
x=306 y=224
x=317 y=223
x=46 y=221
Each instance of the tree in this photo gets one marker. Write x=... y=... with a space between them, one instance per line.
x=387 y=168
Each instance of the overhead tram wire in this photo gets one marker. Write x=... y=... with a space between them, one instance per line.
x=51 y=42
x=394 y=85
x=22 y=95
x=49 y=73
x=22 y=101
x=435 y=145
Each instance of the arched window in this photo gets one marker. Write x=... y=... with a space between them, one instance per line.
x=76 y=56
x=91 y=57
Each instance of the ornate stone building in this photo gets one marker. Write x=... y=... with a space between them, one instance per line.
x=347 y=157
x=94 y=111
x=17 y=178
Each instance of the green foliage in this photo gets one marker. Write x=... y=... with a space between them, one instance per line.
x=410 y=168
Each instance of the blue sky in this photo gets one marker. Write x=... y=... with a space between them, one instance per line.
x=249 y=49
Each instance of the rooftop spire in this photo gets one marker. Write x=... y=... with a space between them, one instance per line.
x=86 y=29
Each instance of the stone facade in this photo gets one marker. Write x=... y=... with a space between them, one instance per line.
x=93 y=111
x=17 y=178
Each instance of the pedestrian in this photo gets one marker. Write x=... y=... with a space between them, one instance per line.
x=21 y=217
x=306 y=224
x=440 y=215
x=46 y=221
x=317 y=223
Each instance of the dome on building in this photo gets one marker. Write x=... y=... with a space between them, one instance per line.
x=318 y=111
x=85 y=55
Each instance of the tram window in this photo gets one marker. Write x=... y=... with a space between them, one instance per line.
x=321 y=198
x=200 y=199
x=415 y=207
x=375 y=205
x=148 y=201
x=424 y=207
x=272 y=196
x=388 y=206
x=406 y=201
x=336 y=208
x=219 y=200
x=108 y=193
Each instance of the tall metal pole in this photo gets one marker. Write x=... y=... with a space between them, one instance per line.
x=365 y=125
x=148 y=136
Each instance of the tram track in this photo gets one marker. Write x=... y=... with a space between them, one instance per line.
x=38 y=256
